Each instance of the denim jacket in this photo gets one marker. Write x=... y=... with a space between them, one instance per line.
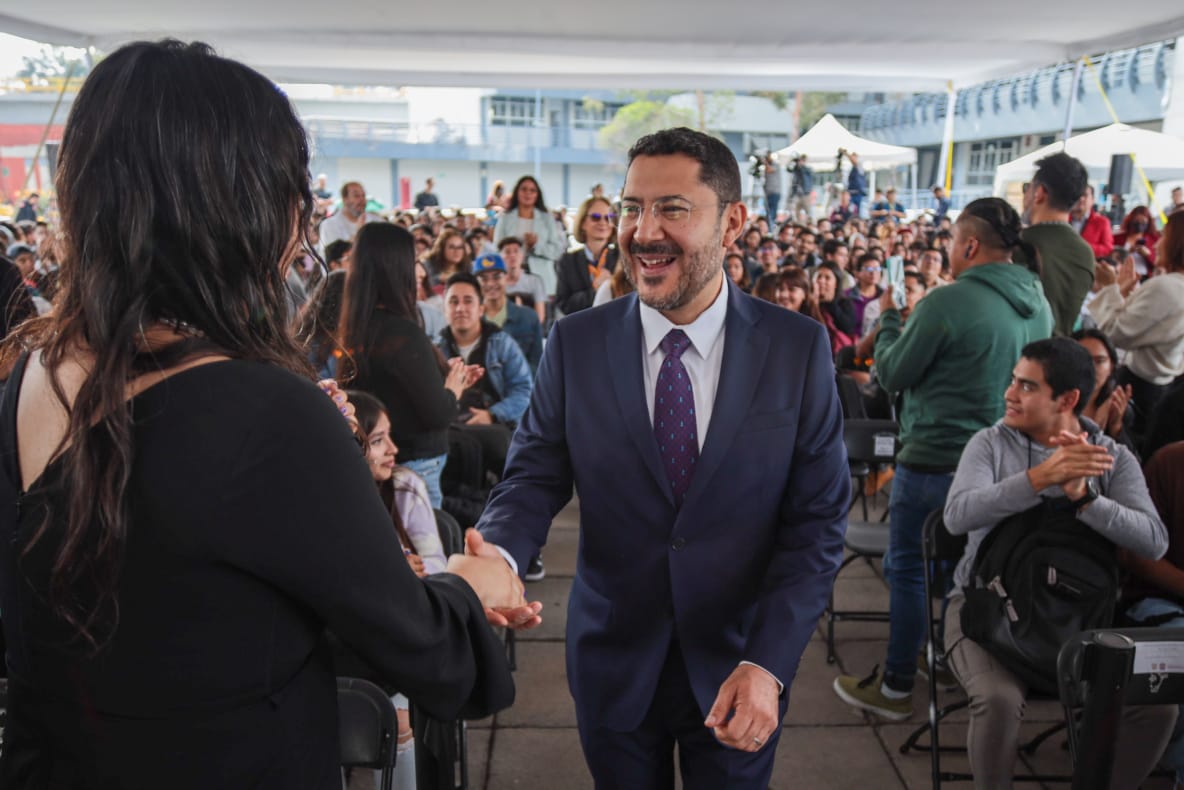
x=506 y=368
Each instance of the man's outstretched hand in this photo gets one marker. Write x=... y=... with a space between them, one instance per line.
x=519 y=618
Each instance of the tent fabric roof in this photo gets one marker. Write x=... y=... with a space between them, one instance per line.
x=617 y=44
x=825 y=138
x=1160 y=155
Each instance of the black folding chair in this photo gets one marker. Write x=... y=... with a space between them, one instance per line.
x=367 y=727
x=869 y=442
x=939 y=546
x=1102 y=671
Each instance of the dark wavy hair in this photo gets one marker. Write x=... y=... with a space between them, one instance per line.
x=382 y=276
x=539 y=204
x=162 y=144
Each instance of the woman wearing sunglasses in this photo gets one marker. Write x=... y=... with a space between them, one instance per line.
x=583 y=270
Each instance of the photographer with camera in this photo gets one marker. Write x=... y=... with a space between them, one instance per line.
x=856 y=178
x=802 y=188
x=773 y=184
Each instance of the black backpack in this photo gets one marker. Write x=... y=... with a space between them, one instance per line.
x=1039 y=578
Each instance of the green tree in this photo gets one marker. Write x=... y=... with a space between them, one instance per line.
x=53 y=63
x=640 y=118
x=813 y=107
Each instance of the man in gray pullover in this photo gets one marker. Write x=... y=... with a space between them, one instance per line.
x=1043 y=448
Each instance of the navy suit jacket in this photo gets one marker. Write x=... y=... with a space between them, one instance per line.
x=742 y=571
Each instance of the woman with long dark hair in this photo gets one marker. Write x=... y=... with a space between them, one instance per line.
x=173 y=539
x=450 y=254
x=527 y=219
x=1109 y=404
x=391 y=356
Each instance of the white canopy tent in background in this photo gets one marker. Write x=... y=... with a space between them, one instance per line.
x=821 y=144
x=1161 y=156
x=825 y=138
x=617 y=44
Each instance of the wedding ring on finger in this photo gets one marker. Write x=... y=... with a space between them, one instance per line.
x=758 y=741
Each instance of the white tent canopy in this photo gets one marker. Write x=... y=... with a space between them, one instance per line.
x=1161 y=156
x=825 y=138
x=617 y=44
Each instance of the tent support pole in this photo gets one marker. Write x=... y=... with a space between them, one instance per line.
x=945 y=165
x=1072 y=102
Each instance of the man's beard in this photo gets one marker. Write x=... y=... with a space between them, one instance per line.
x=699 y=269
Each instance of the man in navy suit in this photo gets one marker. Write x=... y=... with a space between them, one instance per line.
x=703 y=432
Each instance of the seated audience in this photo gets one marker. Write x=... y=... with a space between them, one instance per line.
x=522 y=287
x=337 y=254
x=1138 y=236
x=490 y=407
x=317 y=325
x=867 y=289
x=520 y=323
x=1043 y=449
x=838 y=314
x=583 y=270
x=737 y=273
x=1146 y=321
x=1109 y=404
x=449 y=256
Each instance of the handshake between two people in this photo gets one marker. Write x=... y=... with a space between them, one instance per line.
x=499 y=589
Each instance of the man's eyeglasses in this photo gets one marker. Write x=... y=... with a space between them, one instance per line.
x=598 y=217
x=669 y=212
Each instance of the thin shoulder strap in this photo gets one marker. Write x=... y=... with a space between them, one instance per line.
x=8 y=402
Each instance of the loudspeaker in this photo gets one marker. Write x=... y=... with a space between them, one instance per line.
x=1121 y=168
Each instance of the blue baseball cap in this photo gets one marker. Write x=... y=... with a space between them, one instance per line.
x=489 y=262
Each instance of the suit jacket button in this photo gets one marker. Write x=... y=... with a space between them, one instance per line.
x=678 y=544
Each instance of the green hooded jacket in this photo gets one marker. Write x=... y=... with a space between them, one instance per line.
x=955 y=356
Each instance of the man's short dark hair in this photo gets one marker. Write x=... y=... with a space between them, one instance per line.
x=831 y=246
x=468 y=278
x=1067 y=366
x=718 y=168
x=1063 y=177
x=768 y=240
x=865 y=259
x=916 y=276
x=508 y=240
x=337 y=250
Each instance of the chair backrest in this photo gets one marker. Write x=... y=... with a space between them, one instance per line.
x=1156 y=678
x=451 y=535
x=937 y=542
x=366 y=725
x=851 y=398
x=871 y=441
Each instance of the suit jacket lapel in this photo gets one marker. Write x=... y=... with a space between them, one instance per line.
x=622 y=342
x=745 y=349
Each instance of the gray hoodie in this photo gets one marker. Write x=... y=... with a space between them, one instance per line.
x=992 y=483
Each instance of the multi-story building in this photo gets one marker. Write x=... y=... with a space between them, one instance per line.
x=1000 y=120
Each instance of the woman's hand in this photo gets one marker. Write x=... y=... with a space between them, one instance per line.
x=1127 y=278
x=340 y=400
x=416 y=563
x=457 y=377
x=1117 y=402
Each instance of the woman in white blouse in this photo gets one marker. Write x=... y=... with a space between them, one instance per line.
x=527 y=218
x=1147 y=320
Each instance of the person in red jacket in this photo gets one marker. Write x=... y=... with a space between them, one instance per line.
x=1094 y=227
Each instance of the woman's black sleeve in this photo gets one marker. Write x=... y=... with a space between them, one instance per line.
x=304 y=515
x=574 y=290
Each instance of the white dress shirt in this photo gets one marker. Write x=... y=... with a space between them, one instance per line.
x=702 y=360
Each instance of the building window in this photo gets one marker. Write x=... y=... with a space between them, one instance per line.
x=512 y=111
x=593 y=115
x=986 y=157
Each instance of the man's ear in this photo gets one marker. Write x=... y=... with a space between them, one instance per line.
x=734 y=219
x=1067 y=401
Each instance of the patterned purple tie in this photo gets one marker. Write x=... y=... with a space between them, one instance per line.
x=674 y=416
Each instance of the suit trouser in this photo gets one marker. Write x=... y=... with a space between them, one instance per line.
x=643 y=759
x=997 y=708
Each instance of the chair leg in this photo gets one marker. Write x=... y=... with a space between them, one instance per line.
x=512 y=649
x=462 y=754
x=1031 y=746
